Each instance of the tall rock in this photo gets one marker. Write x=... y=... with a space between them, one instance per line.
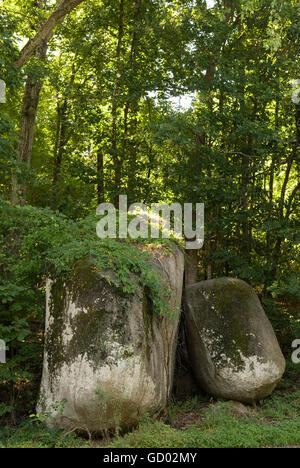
x=108 y=357
x=233 y=349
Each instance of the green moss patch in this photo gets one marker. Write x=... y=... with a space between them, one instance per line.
x=223 y=322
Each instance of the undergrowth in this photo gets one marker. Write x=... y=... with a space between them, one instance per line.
x=274 y=422
x=38 y=243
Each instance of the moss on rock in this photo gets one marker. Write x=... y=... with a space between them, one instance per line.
x=99 y=335
x=234 y=351
x=223 y=304
x=95 y=298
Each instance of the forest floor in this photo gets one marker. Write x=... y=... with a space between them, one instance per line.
x=197 y=422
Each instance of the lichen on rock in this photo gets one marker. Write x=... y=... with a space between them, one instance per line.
x=233 y=349
x=102 y=341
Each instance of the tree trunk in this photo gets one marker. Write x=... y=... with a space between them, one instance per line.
x=100 y=176
x=191 y=267
x=61 y=140
x=290 y=161
x=27 y=124
x=114 y=111
x=62 y=135
x=133 y=104
x=37 y=46
x=47 y=29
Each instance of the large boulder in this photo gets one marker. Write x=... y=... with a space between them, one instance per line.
x=233 y=349
x=108 y=357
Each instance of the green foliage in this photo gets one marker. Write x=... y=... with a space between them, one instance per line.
x=35 y=435
x=46 y=416
x=106 y=125
x=39 y=243
x=10 y=75
x=284 y=316
x=275 y=423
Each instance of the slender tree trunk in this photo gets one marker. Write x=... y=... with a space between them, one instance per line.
x=191 y=267
x=132 y=103
x=290 y=161
x=60 y=143
x=271 y=178
x=100 y=176
x=36 y=46
x=191 y=264
x=64 y=7
x=245 y=203
x=125 y=130
x=62 y=136
x=114 y=112
x=27 y=124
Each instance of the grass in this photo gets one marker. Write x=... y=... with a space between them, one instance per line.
x=194 y=423
x=198 y=423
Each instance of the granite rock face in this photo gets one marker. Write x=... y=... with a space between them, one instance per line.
x=233 y=350
x=107 y=356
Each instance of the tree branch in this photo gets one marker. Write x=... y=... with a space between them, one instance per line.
x=291 y=198
x=46 y=31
